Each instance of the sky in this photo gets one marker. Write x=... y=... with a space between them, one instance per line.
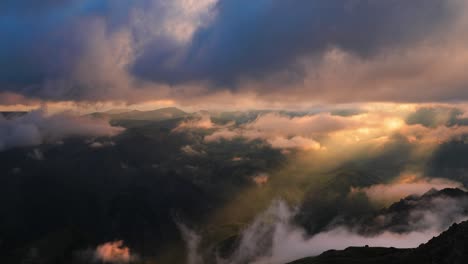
x=231 y=53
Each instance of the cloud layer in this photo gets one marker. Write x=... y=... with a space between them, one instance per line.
x=280 y=52
x=373 y=127
x=38 y=127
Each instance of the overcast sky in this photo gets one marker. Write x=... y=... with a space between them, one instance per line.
x=194 y=52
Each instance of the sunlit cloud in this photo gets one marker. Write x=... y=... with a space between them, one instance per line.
x=200 y=122
x=324 y=131
x=403 y=186
x=113 y=252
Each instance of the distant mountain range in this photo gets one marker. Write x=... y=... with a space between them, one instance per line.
x=12 y=115
x=153 y=115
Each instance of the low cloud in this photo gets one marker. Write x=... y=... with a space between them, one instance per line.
x=113 y=252
x=225 y=134
x=189 y=150
x=38 y=127
x=199 y=122
x=291 y=243
x=273 y=238
x=192 y=241
x=296 y=142
x=438 y=135
x=376 y=126
x=305 y=125
x=36 y=154
x=405 y=186
x=104 y=144
x=284 y=132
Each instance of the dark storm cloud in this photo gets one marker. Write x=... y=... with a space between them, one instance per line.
x=72 y=50
x=42 y=43
x=257 y=38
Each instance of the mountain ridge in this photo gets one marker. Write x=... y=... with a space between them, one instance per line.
x=451 y=246
x=151 y=115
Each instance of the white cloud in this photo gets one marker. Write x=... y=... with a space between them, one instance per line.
x=225 y=133
x=192 y=241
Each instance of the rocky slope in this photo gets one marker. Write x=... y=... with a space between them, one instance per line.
x=450 y=247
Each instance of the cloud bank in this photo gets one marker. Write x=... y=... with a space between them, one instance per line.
x=38 y=127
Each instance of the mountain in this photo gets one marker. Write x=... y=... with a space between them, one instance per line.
x=358 y=255
x=118 y=111
x=443 y=207
x=153 y=115
x=135 y=187
x=449 y=247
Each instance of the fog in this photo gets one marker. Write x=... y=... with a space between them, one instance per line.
x=274 y=238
